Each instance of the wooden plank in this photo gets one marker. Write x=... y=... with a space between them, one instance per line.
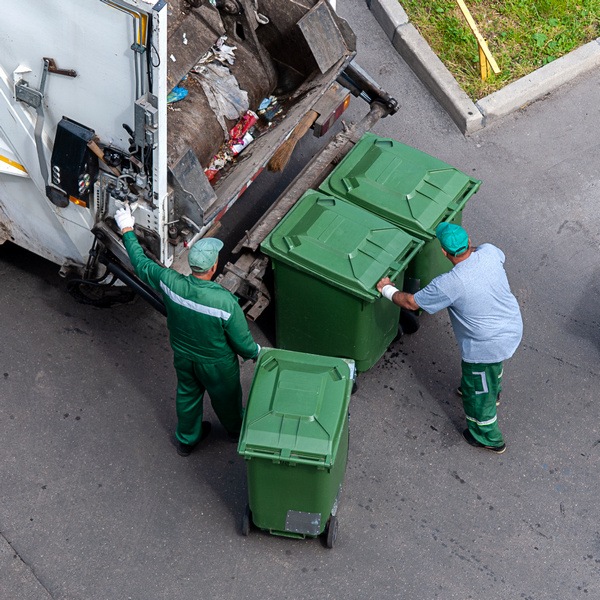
x=482 y=43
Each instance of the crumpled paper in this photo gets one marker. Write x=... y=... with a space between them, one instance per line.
x=226 y=98
x=219 y=51
x=223 y=92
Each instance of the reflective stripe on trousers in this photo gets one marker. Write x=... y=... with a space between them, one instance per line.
x=480 y=385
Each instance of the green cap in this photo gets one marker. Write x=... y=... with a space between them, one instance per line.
x=453 y=238
x=204 y=253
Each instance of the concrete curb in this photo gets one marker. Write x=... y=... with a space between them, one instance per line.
x=389 y=14
x=541 y=82
x=470 y=116
x=413 y=48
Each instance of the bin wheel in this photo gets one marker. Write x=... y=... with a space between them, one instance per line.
x=409 y=321
x=354 y=387
x=332 y=531
x=246 y=520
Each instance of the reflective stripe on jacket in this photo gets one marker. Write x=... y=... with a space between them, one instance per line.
x=205 y=320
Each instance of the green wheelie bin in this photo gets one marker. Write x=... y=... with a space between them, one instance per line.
x=294 y=439
x=328 y=255
x=408 y=188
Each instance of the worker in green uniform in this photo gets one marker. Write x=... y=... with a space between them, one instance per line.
x=207 y=330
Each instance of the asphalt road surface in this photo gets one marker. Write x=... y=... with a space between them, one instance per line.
x=96 y=505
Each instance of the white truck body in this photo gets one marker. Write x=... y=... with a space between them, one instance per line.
x=85 y=125
x=93 y=39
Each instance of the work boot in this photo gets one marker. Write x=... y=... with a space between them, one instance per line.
x=187 y=449
x=473 y=442
x=459 y=392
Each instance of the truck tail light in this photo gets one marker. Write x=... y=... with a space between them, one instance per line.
x=330 y=108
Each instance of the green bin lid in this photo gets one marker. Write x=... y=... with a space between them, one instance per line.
x=296 y=407
x=341 y=244
x=403 y=185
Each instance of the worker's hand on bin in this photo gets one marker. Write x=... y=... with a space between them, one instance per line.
x=124 y=219
x=255 y=357
x=385 y=281
x=387 y=288
x=393 y=294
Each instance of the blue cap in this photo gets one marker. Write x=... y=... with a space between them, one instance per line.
x=204 y=253
x=453 y=238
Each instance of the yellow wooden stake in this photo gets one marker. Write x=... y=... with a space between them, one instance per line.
x=484 y=65
x=486 y=60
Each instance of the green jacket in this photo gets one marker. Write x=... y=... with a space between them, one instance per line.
x=205 y=321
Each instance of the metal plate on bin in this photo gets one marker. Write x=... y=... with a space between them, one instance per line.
x=303 y=522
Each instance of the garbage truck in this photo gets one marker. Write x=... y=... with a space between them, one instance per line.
x=172 y=107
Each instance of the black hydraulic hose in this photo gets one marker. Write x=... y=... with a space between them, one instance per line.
x=362 y=85
x=139 y=287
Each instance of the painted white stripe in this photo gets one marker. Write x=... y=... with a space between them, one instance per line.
x=200 y=308
x=482 y=422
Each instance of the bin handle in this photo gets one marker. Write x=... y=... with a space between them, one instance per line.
x=458 y=206
x=395 y=270
x=322 y=463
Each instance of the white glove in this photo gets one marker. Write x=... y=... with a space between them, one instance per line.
x=124 y=218
x=388 y=291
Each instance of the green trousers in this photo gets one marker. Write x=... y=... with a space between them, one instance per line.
x=222 y=382
x=480 y=384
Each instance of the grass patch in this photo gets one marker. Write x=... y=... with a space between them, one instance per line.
x=522 y=35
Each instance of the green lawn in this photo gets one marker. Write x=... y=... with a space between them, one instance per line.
x=522 y=35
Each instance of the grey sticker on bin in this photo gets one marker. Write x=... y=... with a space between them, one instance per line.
x=303 y=522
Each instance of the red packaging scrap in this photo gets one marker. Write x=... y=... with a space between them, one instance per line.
x=239 y=137
x=241 y=144
x=240 y=129
x=211 y=173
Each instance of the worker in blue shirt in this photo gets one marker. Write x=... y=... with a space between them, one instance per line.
x=486 y=320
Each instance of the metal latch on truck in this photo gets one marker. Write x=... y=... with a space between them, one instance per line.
x=35 y=98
